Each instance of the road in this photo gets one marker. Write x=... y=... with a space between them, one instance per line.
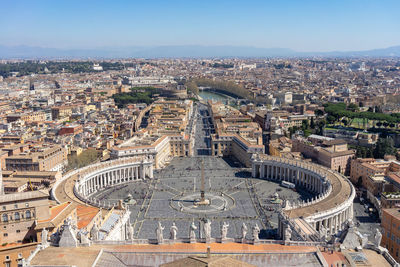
x=204 y=128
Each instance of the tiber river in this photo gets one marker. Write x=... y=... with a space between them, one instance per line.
x=207 y=95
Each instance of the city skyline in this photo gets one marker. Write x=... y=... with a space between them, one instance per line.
x=309 y=26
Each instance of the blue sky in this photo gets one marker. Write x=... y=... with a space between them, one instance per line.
x=303 y=25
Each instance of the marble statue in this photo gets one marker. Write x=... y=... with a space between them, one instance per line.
x=130 y=231
x=85 y=240
x=192 y=233
x=44 y=237
x=377 y=238
x=159 y=233
x=288 y=233
x=224 y=230
x=173 y=231
x=244 y=230
x=323 y=232
x=207 y=229
x=94 y=232
x=256 y=232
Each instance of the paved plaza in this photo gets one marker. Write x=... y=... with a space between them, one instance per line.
x=247 y=200
x=235 y=197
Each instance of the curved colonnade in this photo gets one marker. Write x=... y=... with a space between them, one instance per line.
x=110 y=173
x=332 y=206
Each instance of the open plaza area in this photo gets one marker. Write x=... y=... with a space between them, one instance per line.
x=235 y=198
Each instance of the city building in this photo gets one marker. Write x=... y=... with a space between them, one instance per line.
x=40 y=159
x=390 y=223
x=329 y=152
x=19 y=213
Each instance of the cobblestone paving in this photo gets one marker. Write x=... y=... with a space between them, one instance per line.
x=182 y=177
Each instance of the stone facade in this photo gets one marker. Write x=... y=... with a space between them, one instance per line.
x=335 y=194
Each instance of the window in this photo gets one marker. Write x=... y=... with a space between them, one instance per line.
x=4 y=208
x=16 y=206
x=5 y=218
x=18 y=231
x=26 y=204
x=5 y=234
x=16 y=216
x=28 y=214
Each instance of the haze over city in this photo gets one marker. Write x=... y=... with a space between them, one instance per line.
x=303 y=26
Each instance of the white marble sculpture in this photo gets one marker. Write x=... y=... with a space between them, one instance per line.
x=159 y=233
x=192 y=233
x=256 y=232
x=129 y=232
x=224 y=230
x=94 y=232
x=377 y=238
x=244 y=231
x=173 y=231
x=44 y=236
x=207 y=229
x=288 y=233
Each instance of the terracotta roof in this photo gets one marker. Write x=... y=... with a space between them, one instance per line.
x=85 y=215
x=57 y=215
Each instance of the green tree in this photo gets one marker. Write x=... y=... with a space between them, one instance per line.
x=352 y=107
x=318 y=113
x=312 y=123
x=384 y=146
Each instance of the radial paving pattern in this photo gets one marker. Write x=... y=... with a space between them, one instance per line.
x=235 y=198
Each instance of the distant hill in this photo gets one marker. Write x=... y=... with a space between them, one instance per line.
x=184 y=51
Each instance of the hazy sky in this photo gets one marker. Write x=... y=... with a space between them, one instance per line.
x=303 y=25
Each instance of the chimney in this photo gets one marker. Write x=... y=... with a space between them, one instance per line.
x=208 y=252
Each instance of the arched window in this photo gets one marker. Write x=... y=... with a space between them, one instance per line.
x=16 y=216
x=5 y=218
x=28 y=214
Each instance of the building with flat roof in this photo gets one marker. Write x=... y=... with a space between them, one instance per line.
x=329 y=152
x=168 y=133
x=52 y=158
x=235 y=133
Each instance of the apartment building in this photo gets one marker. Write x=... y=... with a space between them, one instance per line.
x=168 y=133
x=329 y=152
x=361 y=169
x=235 y=134
x=280 y=119
x=282 y=147
x=60 y=112
x=391 y=231
x=27 y=117
x=40 y=159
